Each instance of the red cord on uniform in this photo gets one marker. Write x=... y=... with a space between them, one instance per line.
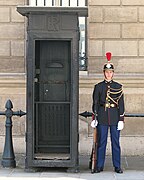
x=93 y=117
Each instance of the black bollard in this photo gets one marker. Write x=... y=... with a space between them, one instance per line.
x=8 y=158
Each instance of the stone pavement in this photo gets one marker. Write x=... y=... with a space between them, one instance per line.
x=133 y=170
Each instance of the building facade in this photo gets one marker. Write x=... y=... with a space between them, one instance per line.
x=112 y=25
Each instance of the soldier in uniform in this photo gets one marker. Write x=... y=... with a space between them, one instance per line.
x=108 y=107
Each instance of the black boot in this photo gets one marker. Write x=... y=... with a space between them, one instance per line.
x=98 y=170
x=118 y=170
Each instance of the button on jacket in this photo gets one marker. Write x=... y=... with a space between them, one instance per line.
x=108 y=102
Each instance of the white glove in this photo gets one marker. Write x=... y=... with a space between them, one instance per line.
x=120 y=125
x=94 y=123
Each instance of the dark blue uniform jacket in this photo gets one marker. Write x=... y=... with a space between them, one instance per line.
x=108 y=115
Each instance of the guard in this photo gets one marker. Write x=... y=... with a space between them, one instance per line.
x=108 y=107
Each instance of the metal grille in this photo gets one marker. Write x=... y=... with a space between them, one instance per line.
x=55 y=118
x=72 y=3
x=52 y=127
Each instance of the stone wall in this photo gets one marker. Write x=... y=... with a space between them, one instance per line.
x=116 y=26
x=12 y=34
x=12 y=69
x=113 y=25
x=13 y=88
x=132 y=135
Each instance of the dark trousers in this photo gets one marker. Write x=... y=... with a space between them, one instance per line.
x=102 y=142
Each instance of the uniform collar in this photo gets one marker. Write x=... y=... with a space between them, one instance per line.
x=108 y=81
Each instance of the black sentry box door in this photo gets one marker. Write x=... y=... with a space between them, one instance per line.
x=52 y=96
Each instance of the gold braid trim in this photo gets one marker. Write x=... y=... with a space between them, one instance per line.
x=119 y=97
x=115 y=89
x=112 y=99
x=115 y=100
x=116 y=92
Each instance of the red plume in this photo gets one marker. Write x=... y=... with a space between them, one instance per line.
x=108 y=55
